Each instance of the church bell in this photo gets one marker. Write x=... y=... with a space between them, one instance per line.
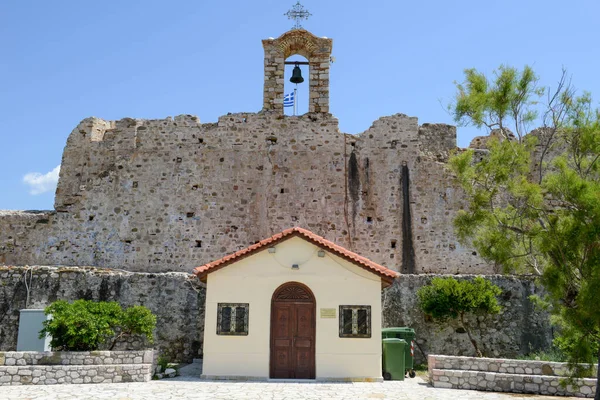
x=297 y=75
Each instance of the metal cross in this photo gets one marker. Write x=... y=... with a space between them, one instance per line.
x=297 y=13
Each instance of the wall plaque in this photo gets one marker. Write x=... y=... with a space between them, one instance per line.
x=327 y=312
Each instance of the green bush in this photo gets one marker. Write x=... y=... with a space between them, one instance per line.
x=85 y=325
x=448 y=298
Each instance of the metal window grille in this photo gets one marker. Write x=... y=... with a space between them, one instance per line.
x=355 y=321
x=232 y=318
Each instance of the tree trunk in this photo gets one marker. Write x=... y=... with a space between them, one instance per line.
x=115 y=340
x=597 y=396
x=473 y=342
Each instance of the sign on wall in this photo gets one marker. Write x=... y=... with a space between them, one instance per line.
x=327 y=312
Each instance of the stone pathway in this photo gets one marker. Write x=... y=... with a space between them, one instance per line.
x=189 y=387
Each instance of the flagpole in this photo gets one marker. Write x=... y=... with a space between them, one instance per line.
x=295 y=103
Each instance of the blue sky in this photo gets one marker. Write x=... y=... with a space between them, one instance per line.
x=62 y=61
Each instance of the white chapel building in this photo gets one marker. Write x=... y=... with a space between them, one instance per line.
x=293 y=306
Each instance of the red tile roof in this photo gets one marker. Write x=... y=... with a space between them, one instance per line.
x=387 y=275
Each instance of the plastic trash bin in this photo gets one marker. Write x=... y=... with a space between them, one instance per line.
x=393 y=359
x=408 y=334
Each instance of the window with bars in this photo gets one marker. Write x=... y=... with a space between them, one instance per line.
x=232 y=318
x=355 y=321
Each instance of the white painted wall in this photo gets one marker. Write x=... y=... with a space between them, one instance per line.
x=253 y=280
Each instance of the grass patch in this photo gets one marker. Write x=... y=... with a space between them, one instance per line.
x=552 y=355
x=421 y=370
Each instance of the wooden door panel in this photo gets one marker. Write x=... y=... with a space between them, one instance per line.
x=303 y=364
x=282 y=337
x=293 y=334
x=303 y=343
x=282 y=318
x=282 y=363
x=283 y=343
x=304 y=323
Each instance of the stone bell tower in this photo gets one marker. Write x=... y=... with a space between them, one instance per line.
x=316 y=50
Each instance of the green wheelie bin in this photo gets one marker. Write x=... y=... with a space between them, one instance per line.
x=393 y=359
x=408 y=334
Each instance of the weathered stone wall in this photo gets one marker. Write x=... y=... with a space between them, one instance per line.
x=518 y=329
x=176 y=299
x=500 y=375
x=178 y=303
x=49 y=368
x=169 y=195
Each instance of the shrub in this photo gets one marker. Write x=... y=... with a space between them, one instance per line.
x=84 y=325
x=447 y=298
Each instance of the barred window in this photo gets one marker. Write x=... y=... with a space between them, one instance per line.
x=355 y=321
x=232 y=318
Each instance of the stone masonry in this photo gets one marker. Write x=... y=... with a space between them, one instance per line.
x=499 y=375
x=177 y=299
x=316 y=50
x=518 y=329
x=49 y=368
x=169 y=195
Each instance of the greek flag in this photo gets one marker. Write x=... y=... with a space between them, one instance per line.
x=288 y=100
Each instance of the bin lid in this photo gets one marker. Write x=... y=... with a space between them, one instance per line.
x=398 y=329
x=394 y=340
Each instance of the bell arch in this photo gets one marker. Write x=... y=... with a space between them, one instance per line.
x=316 y=50
x=301 y=90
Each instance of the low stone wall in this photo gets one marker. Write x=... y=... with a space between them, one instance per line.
x=500 y=375
x=49 y=368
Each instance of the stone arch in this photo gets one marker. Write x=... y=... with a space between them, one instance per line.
x=316 y=50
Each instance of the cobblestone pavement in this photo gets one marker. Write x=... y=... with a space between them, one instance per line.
x=194 y=388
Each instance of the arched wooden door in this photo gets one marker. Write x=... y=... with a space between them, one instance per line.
x=293 y=330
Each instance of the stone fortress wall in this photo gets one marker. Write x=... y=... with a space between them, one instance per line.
x=172 y=194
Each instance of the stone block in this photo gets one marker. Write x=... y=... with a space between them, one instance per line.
x=148 y=356
x=532 y=387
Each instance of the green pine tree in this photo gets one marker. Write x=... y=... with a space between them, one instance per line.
x=535 y=198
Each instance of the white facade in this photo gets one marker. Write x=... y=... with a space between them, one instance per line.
x=334 y=281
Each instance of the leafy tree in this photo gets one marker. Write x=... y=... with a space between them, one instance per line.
x=534 y=201
x=447 y=298
x=84 y=325
x=137 y=320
